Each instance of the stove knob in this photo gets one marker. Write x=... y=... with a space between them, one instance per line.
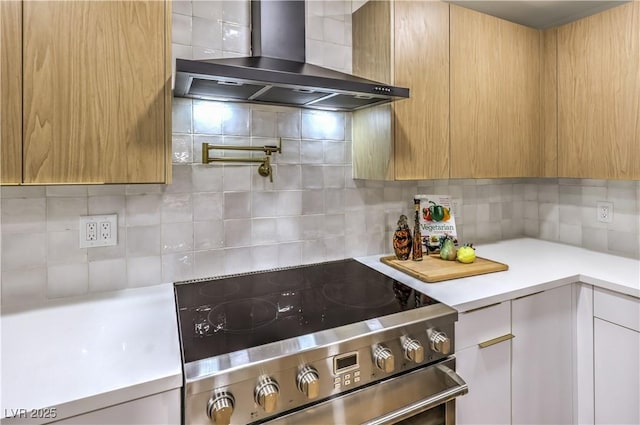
x=266 y=394
x=413 y=350
x=440 y=342
x=220 y=408
x=309 y=382
x=384 y=359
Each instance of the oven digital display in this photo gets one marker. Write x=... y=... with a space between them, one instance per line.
x=345 y=362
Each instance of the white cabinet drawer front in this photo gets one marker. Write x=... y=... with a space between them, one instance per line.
x=617 y=308
x=477 y=326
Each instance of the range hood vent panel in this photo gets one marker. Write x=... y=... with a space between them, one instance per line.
x=278 y=74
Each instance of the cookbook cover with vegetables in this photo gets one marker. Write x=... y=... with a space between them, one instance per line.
x=436 y=220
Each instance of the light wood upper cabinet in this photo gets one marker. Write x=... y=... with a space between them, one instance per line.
x=422 y=122
x=405 y=44
x=598 y=92
x=97 y=92
x=495 y=97
x=549 y=102
x=10 y=92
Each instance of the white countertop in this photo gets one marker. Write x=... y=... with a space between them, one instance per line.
x=534 y=265
x=91 y=352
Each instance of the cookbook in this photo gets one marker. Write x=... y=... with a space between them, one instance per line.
x=436 y=221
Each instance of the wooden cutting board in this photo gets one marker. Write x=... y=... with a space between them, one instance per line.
x=432 y=268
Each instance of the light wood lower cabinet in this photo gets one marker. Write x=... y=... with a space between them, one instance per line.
x=96 y=92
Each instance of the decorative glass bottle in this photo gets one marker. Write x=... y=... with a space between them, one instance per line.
x=402 y=239
x=417 y=235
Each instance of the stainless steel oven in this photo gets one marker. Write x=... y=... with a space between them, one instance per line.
x=332 y=343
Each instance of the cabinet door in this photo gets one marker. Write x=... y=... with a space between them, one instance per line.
x=598 y=91
x=421 y=59
x=495 y=97
x=95 y=91
x=372 y=147
x=519 y=100
x=542 y=367
x=487 y=371
x=10 y=92
x=474 y=87
x=617 y=374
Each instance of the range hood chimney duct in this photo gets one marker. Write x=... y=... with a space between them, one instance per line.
x=278 y=30
x=277 y=73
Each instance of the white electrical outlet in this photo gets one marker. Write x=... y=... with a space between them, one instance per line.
x=98 y=230
x=604 y=212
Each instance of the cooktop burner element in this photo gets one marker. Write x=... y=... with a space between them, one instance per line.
x=245 y=315
x=232 y=313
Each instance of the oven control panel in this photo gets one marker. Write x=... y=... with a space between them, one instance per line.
x=271 y=388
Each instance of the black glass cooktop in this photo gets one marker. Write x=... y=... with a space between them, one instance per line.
x=243 y=311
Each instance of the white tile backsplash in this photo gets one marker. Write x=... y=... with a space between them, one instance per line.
x=208 y=234
x=176 y=267
x=237 y=233
x=143 y=210
x=63 y=213
x=209 y=263
x=107 y=275
x=182 y=148
x=181 y=29
x=236 y=12
x=24 y=286
x=237 y=205
x=237 y=120
x=143 y=241
x=206 y=33
x=264 y=231
x=322 y=125
x=23 y=250
x=263 y=123
x=207 y=206
x=211 y=10
x=144 y=271
x=235 y=38
x=176 y=207
x=177 y=237
x=23 y=215
x=288 y=229
x=67 y=280
x=207 y=117
x=63 y=247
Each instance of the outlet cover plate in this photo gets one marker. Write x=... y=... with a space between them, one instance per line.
x=98 y=230
x=604 y=212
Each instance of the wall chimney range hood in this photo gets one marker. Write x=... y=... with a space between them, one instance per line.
x=277 y=72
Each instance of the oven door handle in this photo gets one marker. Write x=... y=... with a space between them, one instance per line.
x=437 y=399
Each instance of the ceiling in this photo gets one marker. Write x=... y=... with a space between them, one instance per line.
x=539 y=14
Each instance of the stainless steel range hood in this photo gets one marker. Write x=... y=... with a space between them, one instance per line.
x=277 y=73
